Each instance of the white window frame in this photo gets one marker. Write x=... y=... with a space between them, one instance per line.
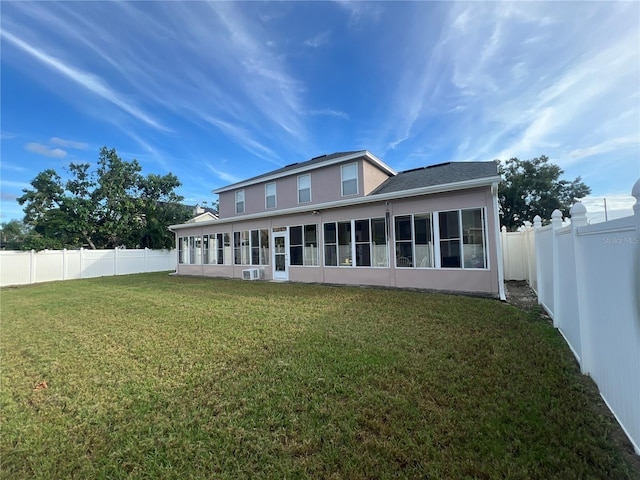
x=342 y=175
x=238 y=194
x=274 y=195
x=306 y=175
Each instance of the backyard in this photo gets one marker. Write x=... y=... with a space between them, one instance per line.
x=157 y=376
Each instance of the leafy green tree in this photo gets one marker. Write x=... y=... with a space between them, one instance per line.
x=14 y=234
x=533 y=187
x=161 y=207
x=111 y=206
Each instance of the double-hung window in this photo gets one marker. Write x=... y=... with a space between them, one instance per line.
x=304 y=188
x=349 y=179
x=270 y=195
x=240 y=201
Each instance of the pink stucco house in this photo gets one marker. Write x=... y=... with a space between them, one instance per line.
x=347 y=218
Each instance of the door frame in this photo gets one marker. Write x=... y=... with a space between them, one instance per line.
x=282 y=276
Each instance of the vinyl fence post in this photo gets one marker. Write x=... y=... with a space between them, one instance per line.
x=115 y=261
x=537 y=225
x=32 y=266
x=81 y=262
x=635 y=192
x=64 y=264
x=505 y=253
x=579 y=219
x=556 y=223
x=146 y=259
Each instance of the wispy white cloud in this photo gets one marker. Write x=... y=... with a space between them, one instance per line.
x=11 y=167
x=45 y=150
x=13 y=184
x=330 y=112
x=360 y=11
x=243 y=138
x=6 y=136
x=608 y=207
x=318 y=40
x=605 y=146
x=91 y=82
x=224 y=176
x=68 y=143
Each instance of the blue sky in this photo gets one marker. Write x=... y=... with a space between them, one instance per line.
x=218 y=92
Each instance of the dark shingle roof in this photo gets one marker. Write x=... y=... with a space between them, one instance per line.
x=440 y=174
x=293 y=166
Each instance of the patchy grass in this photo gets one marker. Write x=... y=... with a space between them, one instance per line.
x=151 y=376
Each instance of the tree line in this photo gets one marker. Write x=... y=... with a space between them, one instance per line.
x=106 y=206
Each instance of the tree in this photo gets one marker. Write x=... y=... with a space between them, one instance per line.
x=532 y=187
x=111 y=206
x=13 y=235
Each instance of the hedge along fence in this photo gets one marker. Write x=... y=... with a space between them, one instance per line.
x=21 y=268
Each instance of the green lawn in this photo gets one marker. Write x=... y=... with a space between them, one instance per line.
x=153 y=376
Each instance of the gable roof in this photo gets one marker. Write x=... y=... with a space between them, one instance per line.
x=441 y=174
x=315 y=162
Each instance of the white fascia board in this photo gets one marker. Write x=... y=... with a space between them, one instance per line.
x=443 y=188
x=297 y=171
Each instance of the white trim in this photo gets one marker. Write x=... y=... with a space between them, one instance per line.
x=442 y=188
x=371 y=158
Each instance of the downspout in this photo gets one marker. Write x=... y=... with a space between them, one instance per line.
x=496 y=216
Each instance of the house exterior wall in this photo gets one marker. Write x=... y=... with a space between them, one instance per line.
x=373 y=177
x=477 y=280
x=326 y=186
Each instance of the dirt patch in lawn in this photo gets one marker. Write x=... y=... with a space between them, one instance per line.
x=520 y=295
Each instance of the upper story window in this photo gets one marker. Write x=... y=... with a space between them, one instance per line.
x=240 y=201
x=349 y=179
x=270 y=195
x=304 y=188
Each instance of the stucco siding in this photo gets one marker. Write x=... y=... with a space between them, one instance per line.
x=483 y=281
x=372 y=178
x=326 y=186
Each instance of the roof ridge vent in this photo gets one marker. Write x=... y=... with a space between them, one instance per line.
x=319 y=156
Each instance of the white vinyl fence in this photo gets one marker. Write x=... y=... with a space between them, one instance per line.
x=20 y=268
x=587 y=278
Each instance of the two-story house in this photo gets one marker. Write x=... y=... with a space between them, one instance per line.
x=347 y=218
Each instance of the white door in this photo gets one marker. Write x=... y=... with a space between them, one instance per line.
x=280 y=255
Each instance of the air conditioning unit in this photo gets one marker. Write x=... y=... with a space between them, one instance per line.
x=252 y=274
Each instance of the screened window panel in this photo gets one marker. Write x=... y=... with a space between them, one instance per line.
x=474 y=238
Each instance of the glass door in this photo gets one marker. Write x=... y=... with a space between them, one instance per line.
x=280 y=256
